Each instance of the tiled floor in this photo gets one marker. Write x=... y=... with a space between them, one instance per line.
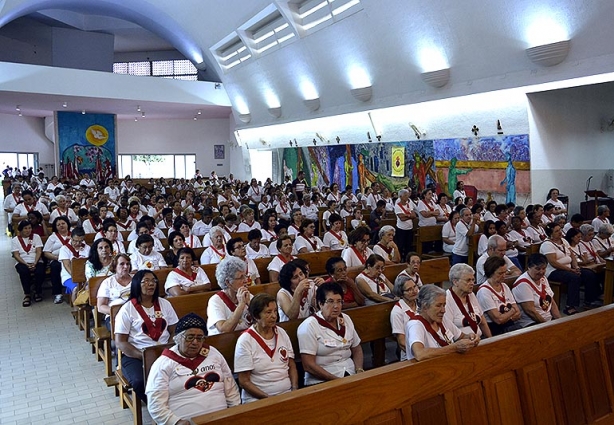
x=48 y=374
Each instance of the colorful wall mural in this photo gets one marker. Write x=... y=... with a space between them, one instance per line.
x=495 y=166
x=86 y=144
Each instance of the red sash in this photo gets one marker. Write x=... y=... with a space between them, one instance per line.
x=124 y=225
x=28 y=208
x=155 y=329
x=284 y=209
x=544 y=301
x=405 y=211
x=491 y=289
x=25 y=247
x=283 y=260
x=191 y=364
x=314 y=245
x=73 y=250
x=221 y=254
x=441 y=341
x=468 y=315
x=410 y=313
x=592 y=251
x=428 y=206
x=361 y=258
x=191 y=278
x=270 y=352
x=96 y=225
x=232 y=306
x=325 y=324
x=295 y=227
x=381 y=286
x=339 y=237
x=61 y=239
x=273 y=235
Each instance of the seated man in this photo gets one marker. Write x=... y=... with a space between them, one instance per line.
x=496 y=246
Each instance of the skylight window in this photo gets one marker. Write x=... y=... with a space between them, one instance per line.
x=312 y=14
x=269 y=32
x=232 y=53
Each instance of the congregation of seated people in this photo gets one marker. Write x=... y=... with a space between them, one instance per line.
x=186 y=224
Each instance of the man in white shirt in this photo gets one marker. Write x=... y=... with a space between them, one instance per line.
x=496 y=246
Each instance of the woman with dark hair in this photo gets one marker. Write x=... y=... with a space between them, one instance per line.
x=114 y=290
x=185 y=278
x=110 y=231
x=236 y=248
x=338 y=272
x=335 y=238
x=329 y=345
x=99 y=259
x=306 y=240
x=27 y=249
x=448 y=231
x=143 y=321
x=124 y=223
x=356 y=254
x=553 y=198
x=269 y=221
x=264 y=372
x=36 y=220
x=181 y=225
x=176 y=241
x=296 y=298
x=51 y=250
x=443 y=207
x=372 y=282
x=489 y=211
x=146 y=257
x=489 y=230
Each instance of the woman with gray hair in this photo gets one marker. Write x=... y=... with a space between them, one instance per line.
x=430 y=334
x=404 y=309
x=587 y=250
x=216 y=252
x=386 y=247
x=190 y=364
x=63 y=209
x=463 y=306
x=602 y=242
x=227 y=310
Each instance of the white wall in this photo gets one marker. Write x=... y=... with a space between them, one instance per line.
x=567 y=144
x=26 y=134
x=177 y=137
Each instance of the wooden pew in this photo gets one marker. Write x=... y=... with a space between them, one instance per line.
x=427 y=234
x=608 y=285
x=81 y=312
x=510 y=379
x=317 y=261
x=473 y=249
x=101 y=335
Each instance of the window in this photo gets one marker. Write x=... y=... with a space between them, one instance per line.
x=271 y=31
x=313 y=14
x=232 y=53
x=155 y=166
x=175 y=69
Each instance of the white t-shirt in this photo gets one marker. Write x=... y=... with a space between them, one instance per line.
x=269 y=374
x=310 y=212
x=218 y=311
x=66 y=254
x=115 y=292
x=333 y=241
x=54 y=244
x=333 y=352
x=526 y=290
x=426 y=221
x=263 y=252
x=34 y=241
x=562 y=251
x=277 y=263
x=70 y=213
x=537 y=234
x=461 y=245
x=454 y=314
x=22 y=210
x=398 y=320
x=303 y=242
x=129 y=322
x=212 y=255
x=597 y=223
x=244 y=227
x=489 y=301
x=157 y=246
x=152 y=261
x=176 y=279
x=377 y=249
x=480 y=277
x=377 y=287
x=483 y=244
x=307 y=302
x=351 y=259
x=416 y=332
x=448 y=231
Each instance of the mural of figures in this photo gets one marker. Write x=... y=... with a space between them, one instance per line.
x=86 y=144
x=491 y=167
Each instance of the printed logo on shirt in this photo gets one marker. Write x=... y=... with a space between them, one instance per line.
x=202 y=383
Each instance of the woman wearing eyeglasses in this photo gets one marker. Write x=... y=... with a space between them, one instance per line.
x=144 y=320
x=373 y=283
x=357 y=253
x=190 y=378
x=329 y=345
x=264 y=358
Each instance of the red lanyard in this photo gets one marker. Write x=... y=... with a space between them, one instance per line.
x=152 y=329
x=25 y=247
x=361 y=258
x=270 y=351
x=340 y=331
x=441 y=341
x=191 y=278
x=470 y=316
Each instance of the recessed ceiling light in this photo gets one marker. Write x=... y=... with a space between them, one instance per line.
x=138 y=108
x=83 y=112
x=135 y=119
x=18 y=108
x=65 y=105
x=195 y=118
x=199 y=112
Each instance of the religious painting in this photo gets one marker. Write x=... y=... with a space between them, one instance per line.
x=86 y=144
x=219 y=152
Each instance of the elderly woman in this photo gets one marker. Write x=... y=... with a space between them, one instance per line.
x=176 y=241
x=114 y=290
x=27 y=249
x=338 y=272
x=356 y=254
x=413 y=267
x=306 y=241
x=372 y=282
x=430 y=334
x=256 y=249
x=144 y=320
x=532 y=291
x=51 y=250
x=404 y=309
x=602 y=242
x=463 y=308
x=236 y=248
x=465 y=228
x=496 y=299
x=109 y=231
x=189 y=365
x=587 y=251
x=145 y=258
x=335 y=238
x=227 y=310
x=296 y=298
x=186 y=278
x=386 y=247
x=329 y=345
x=216 y=252
x=264 y=358
x=285 y=248
x=563 y=267
x=63 y=209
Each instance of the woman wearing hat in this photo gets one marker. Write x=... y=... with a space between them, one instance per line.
x=191 y=378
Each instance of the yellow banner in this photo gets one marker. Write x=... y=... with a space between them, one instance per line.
x=398 y=161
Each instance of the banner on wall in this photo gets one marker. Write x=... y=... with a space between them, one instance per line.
x=86 y=144
x=398 y=161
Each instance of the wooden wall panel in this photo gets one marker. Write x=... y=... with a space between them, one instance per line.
x=566 y=390
x=468 y=404
x=389 y=418
x=535 y=394
x=609 y=352
x=431 y=411
x=595 y=387
x=503 y=400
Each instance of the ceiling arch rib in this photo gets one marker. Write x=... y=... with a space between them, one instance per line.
x=139 y=12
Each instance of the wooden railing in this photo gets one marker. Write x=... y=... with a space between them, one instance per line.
x=556 y=373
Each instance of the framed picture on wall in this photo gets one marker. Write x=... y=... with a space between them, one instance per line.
x=218 y=152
